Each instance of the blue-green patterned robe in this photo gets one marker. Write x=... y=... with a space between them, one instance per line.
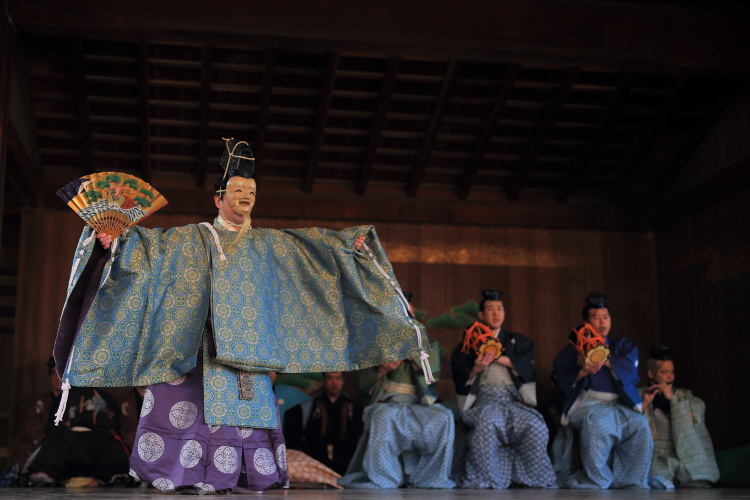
x=287 y=301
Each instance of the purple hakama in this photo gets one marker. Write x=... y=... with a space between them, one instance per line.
x=176 y=450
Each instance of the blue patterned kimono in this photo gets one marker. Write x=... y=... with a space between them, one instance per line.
x=287 y=301
x=604 y=409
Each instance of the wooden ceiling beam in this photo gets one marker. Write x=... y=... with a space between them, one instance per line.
x=378 y=123
x=693 y=141
x=264 y=112
x=84 y=113
x=143 y=112
x=635 y=36
x=543 y=130
x=429 y=140
x=575 y=174
x=326 y=94
x=203 y=118
x=472 y=163
x=641 y=146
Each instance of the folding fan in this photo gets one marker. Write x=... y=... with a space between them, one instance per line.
x=111 y=202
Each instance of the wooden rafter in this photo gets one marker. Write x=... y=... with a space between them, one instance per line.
x=269 y=68
x=429 y=141
x=601 y=127
x=641 y=146
x=84 y=113
x=472 y=163
x=322 y=118
x=143 y=112
x=537 y=143
x=692 y=142
x=205 y=98
x=538 y=30
x=378 y=123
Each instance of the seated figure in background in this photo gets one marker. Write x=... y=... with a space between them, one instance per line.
x=603 y=406
x=329 y=428
x=507 y=443
x=85 y=449
x=683 y=452
x=408 y=438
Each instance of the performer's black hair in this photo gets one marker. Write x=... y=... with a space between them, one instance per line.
x=594 y=300
x=489 y=295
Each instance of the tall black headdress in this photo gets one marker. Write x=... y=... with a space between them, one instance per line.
x=660 y=352
x=237 y=160
x=594 y=300
x=490 y=295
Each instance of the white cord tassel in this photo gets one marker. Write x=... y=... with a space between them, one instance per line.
x=424 y=356
x=425 y=359
x=216 y=240
x=65 y=390
x=63 y=402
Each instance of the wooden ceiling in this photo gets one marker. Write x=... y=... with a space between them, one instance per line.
x=424 y=111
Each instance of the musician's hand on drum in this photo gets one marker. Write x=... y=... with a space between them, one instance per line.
x=589 y=369
x=481 y=363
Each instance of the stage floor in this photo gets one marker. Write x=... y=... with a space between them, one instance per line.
x=47 y=493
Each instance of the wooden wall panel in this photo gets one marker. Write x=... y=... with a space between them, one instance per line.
x=545 y=275
x=704 y=296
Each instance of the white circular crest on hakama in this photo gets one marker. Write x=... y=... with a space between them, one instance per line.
x=226 y=459
x=178 y=381
x=183 y=414
x=190 y=454
x=134 y=475
x=281 y=456
x=163 y=484
x=214 y=428
x=148 y=403
x=150 y=447
x=264 y=461
x=205 y=489
x=244 y=432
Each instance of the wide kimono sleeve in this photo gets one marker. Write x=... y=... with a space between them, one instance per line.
x=135 y=314
x=690 y=436
x=461 y=365
x=426 y=393
x=520 y=350
x=565 y=369
x=624 y=361
x=304 y=300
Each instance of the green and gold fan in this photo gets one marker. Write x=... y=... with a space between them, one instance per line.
x=111 y=202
